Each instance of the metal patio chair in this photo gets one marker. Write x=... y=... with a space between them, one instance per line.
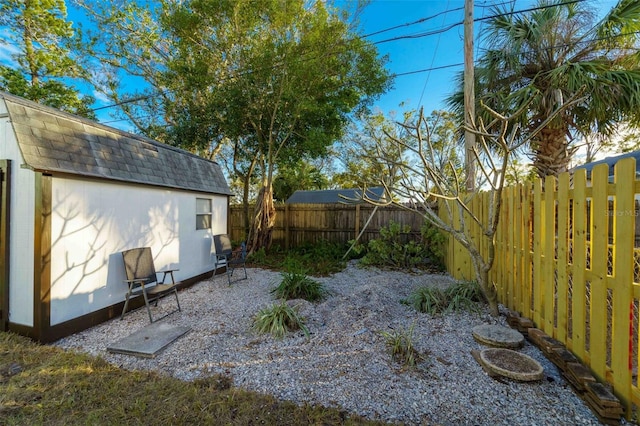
x=142 y=279
x=228 y=258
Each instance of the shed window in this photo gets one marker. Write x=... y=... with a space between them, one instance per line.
x=203 y=213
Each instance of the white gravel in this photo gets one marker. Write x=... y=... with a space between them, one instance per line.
x=345 y=362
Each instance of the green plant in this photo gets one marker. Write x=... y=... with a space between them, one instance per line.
x=299 y=286
x=395 y=248
x=279 y=319
x=400 y=343
x=429 y=300
x=433 y=240
x=319 y=259
x=296 y=285
x=464 y=295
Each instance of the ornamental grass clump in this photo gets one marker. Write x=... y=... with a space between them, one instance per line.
x=402 y=347
x=296 y=284
x=278 y=320
x=428 y=300
x=464 y=295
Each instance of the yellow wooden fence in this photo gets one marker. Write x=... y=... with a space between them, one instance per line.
x=566 y=258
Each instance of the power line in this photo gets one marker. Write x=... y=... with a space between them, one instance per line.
x=419 y=21
x=428 y=18
x=429 y=69
x=484 y=18
x=435 y=51
x=419 y=35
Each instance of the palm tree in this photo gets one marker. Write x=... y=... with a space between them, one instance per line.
x=554 y=53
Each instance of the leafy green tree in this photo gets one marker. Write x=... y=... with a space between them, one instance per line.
x=44 y=59
x=375 y=135
x=518 y=172
x=275 y=80
x=546 y=56
x=294 y=74
x=301 y=175
x=356 y=151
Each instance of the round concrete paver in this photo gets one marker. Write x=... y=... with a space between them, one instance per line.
x=511 y=364
x=498 y=336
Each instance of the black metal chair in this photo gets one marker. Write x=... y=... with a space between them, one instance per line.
x=228 y=258
x=142 y=279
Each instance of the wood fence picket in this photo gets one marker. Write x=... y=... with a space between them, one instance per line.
x=567 y=258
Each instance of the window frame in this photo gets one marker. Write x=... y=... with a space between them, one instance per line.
x=204 y=213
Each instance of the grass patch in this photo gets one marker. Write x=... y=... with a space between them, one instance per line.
x=278 y=320
x=464 y=295
x=47 y=385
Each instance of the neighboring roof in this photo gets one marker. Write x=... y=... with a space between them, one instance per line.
x=53 y=141
x=329 y=196
x=611 y=161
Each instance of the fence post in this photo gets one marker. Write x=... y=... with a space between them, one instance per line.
x=579 y=265
x=623 y=263
x=357 y=221
x=549 y=264
x=286 y=226
x=538 y=249
x=598 y=259
x=562 y=285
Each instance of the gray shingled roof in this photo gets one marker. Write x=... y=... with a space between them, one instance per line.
x=53 y=141
x=611 y=162
x=330 y=196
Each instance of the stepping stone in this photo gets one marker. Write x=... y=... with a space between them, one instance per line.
x=498 y=336
x=148 y=341
x=511 y=364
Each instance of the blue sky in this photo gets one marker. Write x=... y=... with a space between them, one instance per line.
x=429 y=88
x=408 y=57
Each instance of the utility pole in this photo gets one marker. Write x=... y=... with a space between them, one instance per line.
x=469 y=97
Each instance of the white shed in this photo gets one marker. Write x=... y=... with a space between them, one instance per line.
x=73 y=195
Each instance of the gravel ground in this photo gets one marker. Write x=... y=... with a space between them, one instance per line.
x=345 y=362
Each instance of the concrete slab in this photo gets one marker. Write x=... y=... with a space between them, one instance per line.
x=148 y=341
x=498 y=336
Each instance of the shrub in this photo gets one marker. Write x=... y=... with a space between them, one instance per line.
x=296 y=285
x=278 y=320
x=390 y=250
x=319 y=259
x=433 y=240
x=400 y=343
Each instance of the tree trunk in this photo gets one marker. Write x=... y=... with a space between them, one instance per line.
x=551 y=151
x=245 y=204
x=482 y=275
x=264 y=219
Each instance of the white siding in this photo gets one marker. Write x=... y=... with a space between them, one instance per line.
x=93 y=221
x=21 y=227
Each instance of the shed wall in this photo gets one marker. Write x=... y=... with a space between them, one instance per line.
x=21 y=227
x=93 y=221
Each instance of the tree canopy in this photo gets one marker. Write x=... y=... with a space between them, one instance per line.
x=43 y=60
x=553 y=53
x=275 y=80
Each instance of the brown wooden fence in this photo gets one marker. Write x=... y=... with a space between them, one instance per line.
x=567 y=258
x=297 y=224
